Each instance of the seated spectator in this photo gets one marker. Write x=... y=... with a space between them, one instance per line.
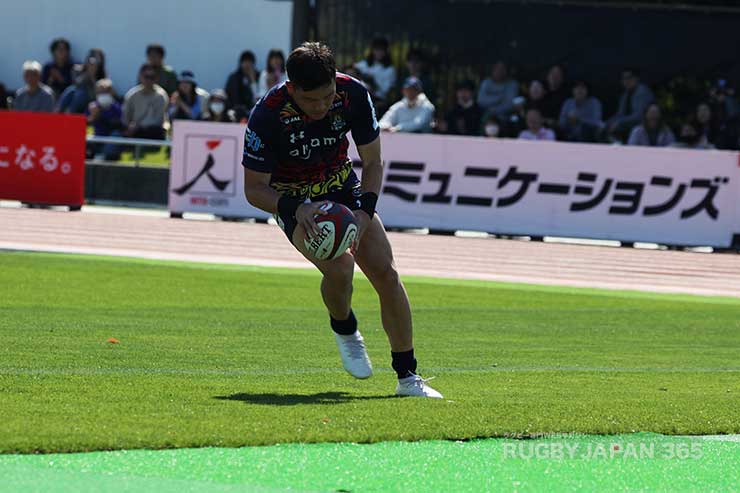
x=465 y=117
x=416 y=66
x=57 y=74
x=496 y=93
x=705 y=122
x=691 y=137
x=652 y=131
x=77 y=97
x=413 y=113
x=536 y=96
x=556 y=92
x=635 y=98
x=535 y=127
x=242 y=84
x=106 y=116
x=4 y=97
x=216 y=110
x=491 y=127
x=144 y=107
x=580 y=117
x=726 y=115
x=378 y=70
x=274 y=72
x=34 y=96
x=166 y=77
x=189 y=101
x=516 y=120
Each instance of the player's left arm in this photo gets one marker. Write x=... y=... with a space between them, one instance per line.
x=372 y=166
x=372 y=178
x=366 y=134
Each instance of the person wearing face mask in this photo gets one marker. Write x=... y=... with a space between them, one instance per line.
x=106 y=117
x=216 y=108
x=491 y=127
x=465 y=117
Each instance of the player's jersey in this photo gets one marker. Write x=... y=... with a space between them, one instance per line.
x=308 y=158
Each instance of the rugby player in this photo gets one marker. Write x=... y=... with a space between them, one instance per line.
x=295 y=159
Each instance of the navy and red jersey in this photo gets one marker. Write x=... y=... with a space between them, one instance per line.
x=306 y=157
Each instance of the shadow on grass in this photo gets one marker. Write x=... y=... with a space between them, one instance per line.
x=293 y=399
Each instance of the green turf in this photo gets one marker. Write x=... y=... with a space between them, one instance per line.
x=643 y=462
x=230 y=357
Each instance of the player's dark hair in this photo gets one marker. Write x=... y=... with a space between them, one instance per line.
x=311 y=66
x=272 y=54
x=155 y=48
x=57 y=42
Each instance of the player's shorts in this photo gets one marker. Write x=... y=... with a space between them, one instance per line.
x=345 y=192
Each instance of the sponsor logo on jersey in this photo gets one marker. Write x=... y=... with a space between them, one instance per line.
x=253 y=141
x=292 y=119
x=337 y=123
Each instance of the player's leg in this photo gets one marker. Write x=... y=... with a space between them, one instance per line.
x=336 y=285
x=336 y=291
x=375 y=258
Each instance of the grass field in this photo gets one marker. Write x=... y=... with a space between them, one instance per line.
x=221 y=356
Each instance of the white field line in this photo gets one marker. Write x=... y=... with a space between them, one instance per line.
x=87 y=371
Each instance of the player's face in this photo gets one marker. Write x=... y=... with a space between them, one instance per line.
x=316 y=102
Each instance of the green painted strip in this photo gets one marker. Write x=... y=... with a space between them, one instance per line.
x=645 y=462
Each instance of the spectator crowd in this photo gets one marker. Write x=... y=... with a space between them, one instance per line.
x=549 y=108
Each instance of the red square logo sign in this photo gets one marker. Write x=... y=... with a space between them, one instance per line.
x=42 y=157
x=209 y=166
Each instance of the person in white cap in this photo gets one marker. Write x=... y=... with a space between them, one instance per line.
x=34 y=96
x=413 y=113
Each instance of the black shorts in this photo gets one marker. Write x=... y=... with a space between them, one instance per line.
x=346 y=195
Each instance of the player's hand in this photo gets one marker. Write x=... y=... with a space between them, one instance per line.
x=305 y=216
x=363 y=221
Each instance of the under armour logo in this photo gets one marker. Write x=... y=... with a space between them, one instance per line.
x=294 y=137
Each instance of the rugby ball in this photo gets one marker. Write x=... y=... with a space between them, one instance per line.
x=338 y=229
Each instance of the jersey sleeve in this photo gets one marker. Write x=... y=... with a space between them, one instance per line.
x=364 y=122
x=259 y=149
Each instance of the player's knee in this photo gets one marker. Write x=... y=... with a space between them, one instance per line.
x=385 y=276
x=341 y=269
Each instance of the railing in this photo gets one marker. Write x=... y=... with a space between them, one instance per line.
x=126 y=141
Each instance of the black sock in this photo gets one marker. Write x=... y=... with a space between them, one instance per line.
x=404 y=363
x=344 y=327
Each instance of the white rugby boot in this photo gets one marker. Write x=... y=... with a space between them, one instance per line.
x=354 y=355
x=415 y=386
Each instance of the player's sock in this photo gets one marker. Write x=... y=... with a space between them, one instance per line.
x=404 y=363
x=344 y=327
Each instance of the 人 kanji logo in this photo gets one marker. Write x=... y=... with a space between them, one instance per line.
x=206 y=170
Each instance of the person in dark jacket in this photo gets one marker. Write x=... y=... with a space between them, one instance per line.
x=242 y=84
x=465 y=118
x=57 y=74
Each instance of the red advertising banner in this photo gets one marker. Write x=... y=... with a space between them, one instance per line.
x=42 y=158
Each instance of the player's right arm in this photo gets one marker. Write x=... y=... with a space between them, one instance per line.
x=258 y=191
x=260 y=194
x=259 y=161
